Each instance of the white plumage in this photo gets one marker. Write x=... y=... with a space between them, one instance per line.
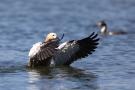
x=35 y=49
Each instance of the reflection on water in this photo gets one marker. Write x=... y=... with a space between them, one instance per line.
x=56 y=77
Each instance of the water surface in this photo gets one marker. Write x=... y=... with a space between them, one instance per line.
x=25 y=22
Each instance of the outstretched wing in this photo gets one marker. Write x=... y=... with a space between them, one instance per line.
x=75 y=49
x=41 y=53
x=43 y=50
x=47 y=50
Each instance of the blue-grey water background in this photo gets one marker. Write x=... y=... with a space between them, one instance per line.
x=25 y=22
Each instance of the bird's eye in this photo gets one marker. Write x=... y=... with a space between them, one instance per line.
x=53 y=35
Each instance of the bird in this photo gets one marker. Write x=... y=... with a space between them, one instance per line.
x=50 y=53
x=104 y=29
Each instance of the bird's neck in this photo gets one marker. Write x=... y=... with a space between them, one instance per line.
x=48 y=40
x=103 y=29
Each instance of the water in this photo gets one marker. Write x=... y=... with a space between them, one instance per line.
x=25 y=22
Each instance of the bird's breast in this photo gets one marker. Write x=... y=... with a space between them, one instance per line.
x=35 y=49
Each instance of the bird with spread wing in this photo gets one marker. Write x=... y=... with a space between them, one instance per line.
x=50 y=53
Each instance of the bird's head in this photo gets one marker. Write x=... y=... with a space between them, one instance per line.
x=100 y=23
x=51 y=36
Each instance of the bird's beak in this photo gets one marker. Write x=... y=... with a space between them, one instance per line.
x=60 y=38
x=56 y=38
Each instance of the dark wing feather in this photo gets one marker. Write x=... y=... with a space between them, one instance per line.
x=76 y=50
x=87 y=46
x=47 y=50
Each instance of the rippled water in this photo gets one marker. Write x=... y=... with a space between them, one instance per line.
x=25 y=22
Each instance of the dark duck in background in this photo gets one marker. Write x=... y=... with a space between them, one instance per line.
x=104 y=29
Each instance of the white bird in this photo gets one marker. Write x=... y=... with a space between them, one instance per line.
x=49 y=53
